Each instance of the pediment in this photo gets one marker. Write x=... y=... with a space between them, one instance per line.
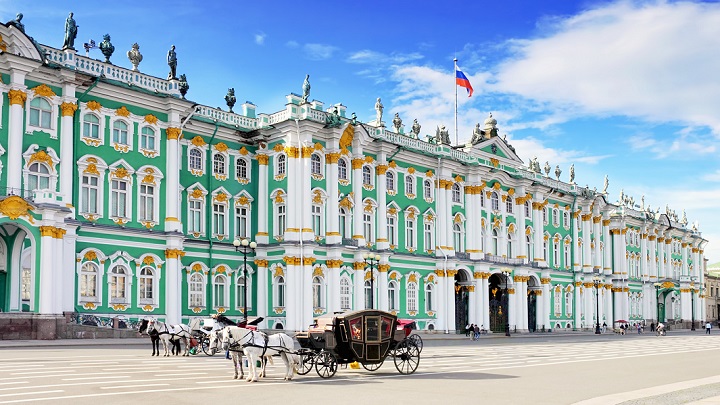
x=16 y=42
x=495 y=148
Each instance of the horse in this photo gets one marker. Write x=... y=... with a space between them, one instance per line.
x=155 y=339
x=235 y=355
x=170 y=333
x=256 y=345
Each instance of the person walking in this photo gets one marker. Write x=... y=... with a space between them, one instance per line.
x=477 y=332
x=604 y=327
x=708 y=326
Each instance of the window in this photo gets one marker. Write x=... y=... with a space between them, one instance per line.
x=315 y=167
x=393 y=298
x=145 y=295
x=556 y=217
x=527 y=209
x=494 y=243
x=411 y=297
x=367 y=227
x=566 y=219
x=242 y=222
x=241 y=170
x=456 y=193
x=281 y=218
x=219 y=289
x=509 y=245
x=556 y=254
x=428 y=236
x=317 y=292
x=529 y=247
x=409 y=185
x=317 y=220
x=195 y=216
x=40 y=113
x=369 y=296
x=390 y=181
x=281 y=167
x=241 y=290
x=196 y=291
x=147 y=138
x=120 y=133
x=147 y=203
x=280 y=292
x=89 y=195
x=118 y=198
x=219 y=164
x=391 y=231
x=367 y=176
x=566 y=255
x=429 y=297
x=427 y=189
x=494 y=201
x=218 y=219
x=568 y=303
x=88 y=282
x=345 y=293
x=545 y=250
x=91 y=126
x=410 y=233
x=118 y=285
x=458 y=238
x=509 y=205
x=545 y=215
x=342 y=169
x=344 y=222
x=38 y=177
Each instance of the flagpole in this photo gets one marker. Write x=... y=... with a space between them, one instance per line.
x=456 y=100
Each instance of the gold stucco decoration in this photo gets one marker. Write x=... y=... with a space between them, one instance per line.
x=173 y=133
x=93 y=105
x=41 y=156
x=151 y=119
x=123 y=112
x=17 y=97
x=198 y=141
x=68 y=109
x=221 y=147
x=14 y=207
x=44 y=90
x=346 y=138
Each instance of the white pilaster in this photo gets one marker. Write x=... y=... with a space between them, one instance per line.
x=332 y=214
x=262 y=235
x=381 y=188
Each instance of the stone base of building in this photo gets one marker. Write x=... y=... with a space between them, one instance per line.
x=29 y=326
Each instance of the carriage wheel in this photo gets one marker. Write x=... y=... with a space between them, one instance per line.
x=372 y=367
x=307 y=360
x=407 y=357
x=417 y=341
x=205 y=344
x=326 y=364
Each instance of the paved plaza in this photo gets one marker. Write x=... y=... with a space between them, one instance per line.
x=568 y=369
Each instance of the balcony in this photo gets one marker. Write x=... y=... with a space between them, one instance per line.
x=27 y=195
x=503 y=260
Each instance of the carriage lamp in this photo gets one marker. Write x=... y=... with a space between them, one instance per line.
x=507 y=273
x=244 y=246
x=596 y=283
x=371 y=260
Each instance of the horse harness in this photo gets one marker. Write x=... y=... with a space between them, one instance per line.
x=167 y=331
x=251 y=343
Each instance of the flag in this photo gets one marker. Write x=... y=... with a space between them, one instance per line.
x=462 y=81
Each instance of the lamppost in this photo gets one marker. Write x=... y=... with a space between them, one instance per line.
x=371 y=260
x=692 y=303
x=596 y=283
x=244 y=246
x=507 y=273
x=657 y=300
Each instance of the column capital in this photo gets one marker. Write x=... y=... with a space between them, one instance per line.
x=173 y=133
x=17 y=97
x=174 y=253
x=68 y=109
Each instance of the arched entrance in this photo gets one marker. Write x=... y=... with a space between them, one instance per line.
x=497 y=286
x=462 y=299
x=532 y=304
x=18 y=275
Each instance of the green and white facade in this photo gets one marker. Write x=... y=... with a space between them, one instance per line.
x=120 y=198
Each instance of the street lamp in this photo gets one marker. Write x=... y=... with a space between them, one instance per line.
x=657 y=300
x=596 y=283
x=507 y=273
x=371 y=260
x=692 y=303
x=244 y=246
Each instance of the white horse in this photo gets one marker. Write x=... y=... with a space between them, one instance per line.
x=236 y=355
x=169 y=333
x=256 y=345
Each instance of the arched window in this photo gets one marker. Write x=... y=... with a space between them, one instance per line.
x=196 y=291
x=458 y=238
x=345 y=294
x=456 y=193
x=241 y=171
x=509 y=205
x=566 y=255
x=527 y=209
x=369 y=295
x=195 y=159
x=120 y=134
x=393 y=297
x=494 y=201
x=89 y=194
x=91 y=126
x=39 y=177
x=568 y=303
x=146 y=293
x=427 y=189
x=241 y=290
x=118 y=285
x=219 y=290
x=219 y=164
x=412 y=297
x=147 y=138
x=529 y=247
x=40 y=113
x=342 y=169
x=280 y=292
x=556 y=253
x=429 y=297
x=88 y=282
x=494 y=247
x=566 y=219
x=556 y=217
x=317 y=293
x=367 y=175
x=315 y=167
x=509 y=245
x=410 y=185
x=390 y=181
x=344 y=222
x=280 y=165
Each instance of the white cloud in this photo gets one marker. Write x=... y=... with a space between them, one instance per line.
x=260 y=38
x=712 y=176
x=292 y=44
x=653 y=60
x=685 y=145
x=319 y=51
x=372 y=57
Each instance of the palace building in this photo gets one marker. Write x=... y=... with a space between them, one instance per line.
x=120 y=198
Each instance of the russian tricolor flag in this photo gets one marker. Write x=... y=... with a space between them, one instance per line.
x=462 y=81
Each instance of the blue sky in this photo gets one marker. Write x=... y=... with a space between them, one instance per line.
x=624 y=88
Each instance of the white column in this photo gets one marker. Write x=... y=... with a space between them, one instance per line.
x=486 y=300
x=521 y=249
x=262 y=235
x=261 y=299
x=479 y=299
x=60 y=272
x=46 y=274
x=381 y=187
x=576 y=254
x=358 y=209
x=587 y=239
x=306 y=231
x=381 y=283
x=547 y=305
x=450 y=299
x=442 y=219
x=607 y=247
x=512 y=307
x=448 y=226
x=13 y=174
x=684 y=251
x=293 y=308
x=523 y=303
x=359 y=282
x=661 y=258
x=333 y=285
x=644 y=270
x=539 y=228
x=173 y=292
x=332 y=214
x=172 y=178
x=578 y=303
x=306 y=297
x=597 y=264
x=67 y=111
x=440 y=317
x=472 y=305
x=608 y=301
x=67 y=247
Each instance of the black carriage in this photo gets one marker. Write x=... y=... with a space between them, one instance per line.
x=367 y=337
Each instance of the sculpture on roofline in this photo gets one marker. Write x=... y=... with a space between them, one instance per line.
x=442 y=136
x=306 y=89
x=415 y=129
x=107 y=48
x=353 y=119
x=572 y=173
x=172 y=62
x=70 y=33
x=135 y=56
x=183 y=85
x=333 y=119
x=397 y=123
x=16 y=22
x=547 y=168
x=684 y=219
x=477 y=136
x=558 y=172
x=606 y=183
x=230 y=98
x=378 y=112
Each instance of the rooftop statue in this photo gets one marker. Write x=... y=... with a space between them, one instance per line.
x=415 y=129
x=572 y=173
x=684 y=220
x=397 y=123
x=606 y=183
x=442 y=136
x=478 y=135
x=172 y=62
x=378 y=112
x=135 y=56
x=558 y=172
x=16 y=22
x=333 y=120
x=547 y=168
x=183 y=85
x=353 y=118
x=306 y=89
x=70 y=33
x=230 y=98
x=107 y=48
